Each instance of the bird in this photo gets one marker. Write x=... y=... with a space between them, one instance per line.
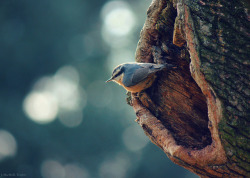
x=136 y=77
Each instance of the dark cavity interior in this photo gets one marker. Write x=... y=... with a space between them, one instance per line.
x=179 y=104
x=175 y=98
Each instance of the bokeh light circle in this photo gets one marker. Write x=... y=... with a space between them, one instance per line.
x=8 y=146
x=118 y=21
x=134 y=138
x=41 y=107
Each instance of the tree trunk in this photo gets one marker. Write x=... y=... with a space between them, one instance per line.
x=198 y=114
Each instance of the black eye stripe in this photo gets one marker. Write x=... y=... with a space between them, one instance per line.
x=119 y=70
x=114 y=71
x=118 y=74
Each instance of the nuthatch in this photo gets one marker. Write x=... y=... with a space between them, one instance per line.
x=135 y=77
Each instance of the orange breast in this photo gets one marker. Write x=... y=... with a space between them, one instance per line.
x=142 y=85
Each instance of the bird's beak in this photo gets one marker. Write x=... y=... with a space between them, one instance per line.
x=109 y=79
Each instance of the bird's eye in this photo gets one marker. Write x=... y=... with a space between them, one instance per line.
x=117 y=74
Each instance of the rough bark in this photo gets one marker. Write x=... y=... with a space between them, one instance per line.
x=198 y=114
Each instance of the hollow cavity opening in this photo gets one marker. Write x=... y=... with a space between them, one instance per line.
x=177 y=101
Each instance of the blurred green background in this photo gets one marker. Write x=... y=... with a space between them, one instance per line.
x=58 y=118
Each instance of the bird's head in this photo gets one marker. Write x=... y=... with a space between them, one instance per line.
x=117 y=74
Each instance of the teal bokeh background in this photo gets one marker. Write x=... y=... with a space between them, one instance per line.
x=58 y=116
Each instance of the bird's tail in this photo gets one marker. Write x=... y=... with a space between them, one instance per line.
x=159 y=67
x=168 y=66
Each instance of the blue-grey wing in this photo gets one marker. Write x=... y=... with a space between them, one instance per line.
x=135 y=76
x=152 y=66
